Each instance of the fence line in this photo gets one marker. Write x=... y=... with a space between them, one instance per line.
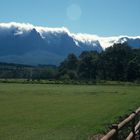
x=135 y=128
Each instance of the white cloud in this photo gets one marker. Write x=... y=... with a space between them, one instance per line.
x=21 y=26
x=28 y=26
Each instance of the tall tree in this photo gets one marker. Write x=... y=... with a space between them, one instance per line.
x=69 y=67
x=88 y=65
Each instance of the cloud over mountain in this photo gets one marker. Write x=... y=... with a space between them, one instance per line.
x=28 y=44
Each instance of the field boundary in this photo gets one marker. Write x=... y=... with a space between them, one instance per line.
x=133 y=128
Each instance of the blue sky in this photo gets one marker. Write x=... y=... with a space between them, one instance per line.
x=101 y=17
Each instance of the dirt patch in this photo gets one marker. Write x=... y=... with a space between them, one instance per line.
x=96 y=137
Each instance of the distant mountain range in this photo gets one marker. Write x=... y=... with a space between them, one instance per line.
x=27 y=44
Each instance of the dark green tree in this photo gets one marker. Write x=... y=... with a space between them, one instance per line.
x=88 y=65
x=114 y=61
x=69 y=67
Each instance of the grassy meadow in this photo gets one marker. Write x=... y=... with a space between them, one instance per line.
x=62 y=112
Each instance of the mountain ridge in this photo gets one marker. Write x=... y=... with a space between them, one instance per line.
x=29 y=44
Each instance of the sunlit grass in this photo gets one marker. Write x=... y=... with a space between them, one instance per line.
x=61 y=112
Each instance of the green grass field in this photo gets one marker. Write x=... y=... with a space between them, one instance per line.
x=62 y=112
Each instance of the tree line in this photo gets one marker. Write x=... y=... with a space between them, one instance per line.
x=19 y=71
x=117 y=63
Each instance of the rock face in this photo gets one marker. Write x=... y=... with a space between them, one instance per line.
x=28 y=44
